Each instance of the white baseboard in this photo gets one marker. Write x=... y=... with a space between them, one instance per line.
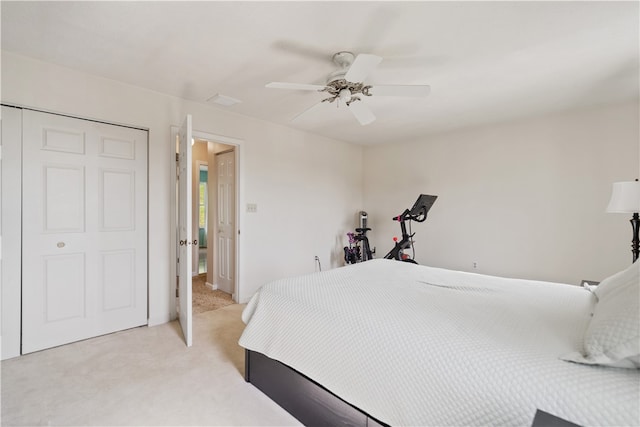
x=159 y=320
x=210 y=286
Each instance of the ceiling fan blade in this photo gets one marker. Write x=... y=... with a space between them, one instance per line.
x=305 y=111
x=302 y=49
x=415 y=91
x=294 y=86
x=362 y=113
x=363 y=65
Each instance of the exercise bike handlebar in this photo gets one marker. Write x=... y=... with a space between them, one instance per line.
x=402 y=216
x=420 y=216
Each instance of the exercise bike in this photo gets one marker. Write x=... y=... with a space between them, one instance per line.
x=352 y=253
x=417 y=213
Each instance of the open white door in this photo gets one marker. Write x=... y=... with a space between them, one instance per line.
x=185 y=240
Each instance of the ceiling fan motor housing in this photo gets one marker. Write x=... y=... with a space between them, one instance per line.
x=337 y=84
x=343 y=60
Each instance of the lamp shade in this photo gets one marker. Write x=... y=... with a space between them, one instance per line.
x=625 y=197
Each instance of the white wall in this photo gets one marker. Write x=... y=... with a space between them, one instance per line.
x=306 y=187
x=523 y=199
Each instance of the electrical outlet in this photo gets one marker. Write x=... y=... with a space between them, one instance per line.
x=252 y=207
x=475 y=264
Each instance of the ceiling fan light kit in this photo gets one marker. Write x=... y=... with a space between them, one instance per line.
x=347 y=82
x=345 y=91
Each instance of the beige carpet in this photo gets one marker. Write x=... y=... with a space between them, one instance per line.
x=204 y=299
x=141 y=377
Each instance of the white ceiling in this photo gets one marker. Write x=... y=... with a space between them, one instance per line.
x=485 y=61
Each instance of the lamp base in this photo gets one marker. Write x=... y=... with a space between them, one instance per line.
x=635 y=243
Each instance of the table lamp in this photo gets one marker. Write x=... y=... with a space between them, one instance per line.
x=625 y=198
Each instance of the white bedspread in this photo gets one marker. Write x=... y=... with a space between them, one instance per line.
x=414 y=345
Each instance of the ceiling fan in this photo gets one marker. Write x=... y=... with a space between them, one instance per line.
x=346 y=85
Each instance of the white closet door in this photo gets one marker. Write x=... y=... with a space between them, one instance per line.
x=84 y=238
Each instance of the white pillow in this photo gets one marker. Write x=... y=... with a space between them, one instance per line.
x=613 y=335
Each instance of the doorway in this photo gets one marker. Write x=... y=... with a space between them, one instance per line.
x=214 y=144
x=183 y=242
x=213 y=222
x=203 y=212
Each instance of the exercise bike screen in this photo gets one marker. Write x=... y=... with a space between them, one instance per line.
x=425 y=202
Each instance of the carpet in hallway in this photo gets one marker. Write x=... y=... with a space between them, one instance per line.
x=204 y=299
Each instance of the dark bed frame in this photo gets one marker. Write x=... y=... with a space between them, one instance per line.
x=306 y=400
x=313 y=405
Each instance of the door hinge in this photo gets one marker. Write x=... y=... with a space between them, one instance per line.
x=177 y=293
x=177 y=157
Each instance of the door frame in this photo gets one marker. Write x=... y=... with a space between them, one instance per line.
x=173 y=242
x=11 y=231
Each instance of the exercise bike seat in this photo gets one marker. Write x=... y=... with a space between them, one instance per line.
x=362 y=230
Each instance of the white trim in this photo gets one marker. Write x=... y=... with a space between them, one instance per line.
x=239 y=159
x=11 y=229
x=73 y=116
x=173 y=257
x=159 y=320
x=210 y=286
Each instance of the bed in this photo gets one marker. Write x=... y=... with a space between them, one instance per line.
x=402 y=344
